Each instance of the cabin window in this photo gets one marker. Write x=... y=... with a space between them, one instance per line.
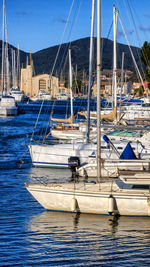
x=138 y=186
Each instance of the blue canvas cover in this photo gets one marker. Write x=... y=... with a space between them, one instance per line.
x=106 y=139
x=128 y=153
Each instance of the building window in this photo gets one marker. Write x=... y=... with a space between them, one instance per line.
x=42 y=84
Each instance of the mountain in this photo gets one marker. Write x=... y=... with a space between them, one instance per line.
x=43 y=60
x=23 y=55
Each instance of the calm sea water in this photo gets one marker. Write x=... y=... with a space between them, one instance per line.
x=30 y=236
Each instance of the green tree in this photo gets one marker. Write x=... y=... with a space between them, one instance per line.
x=146 y=60
x=76 y=85
x=140 y=91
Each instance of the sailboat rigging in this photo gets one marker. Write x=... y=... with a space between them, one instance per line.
x=7 y=104
x=71 y=118
x=122 y=196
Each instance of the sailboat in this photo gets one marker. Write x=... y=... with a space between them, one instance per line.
x=127 y=195
x=67 y=124
x=57 y=155
x=84 y=130
x=15 y=90
x=7 y=103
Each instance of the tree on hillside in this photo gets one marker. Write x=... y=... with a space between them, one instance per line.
x=146 y=60
x=76 y=86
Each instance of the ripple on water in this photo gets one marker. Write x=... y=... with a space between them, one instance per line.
x=30 y=236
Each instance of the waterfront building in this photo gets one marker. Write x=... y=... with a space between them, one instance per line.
x=33 y=85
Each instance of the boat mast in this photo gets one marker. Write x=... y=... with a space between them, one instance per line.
x=70 y=76
x=98 y=90
x=3 y=50
x=7 y=66
x=18 y=67
x=14 y=70
x=90 y=70
x=122 y=72
x=114 y=89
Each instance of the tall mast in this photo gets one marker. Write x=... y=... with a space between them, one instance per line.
x=7 y=64
x=18 y=67
x=98 y=89
x=3 y=50
x=122 y=70
x=115 y=22
x=90 y=70
x=13 y=69
x=70 y=76
x=14 y=72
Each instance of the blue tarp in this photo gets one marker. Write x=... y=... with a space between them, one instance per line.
x=128 y=153
x=106 y=139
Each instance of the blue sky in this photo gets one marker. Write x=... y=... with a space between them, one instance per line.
x=39 y=24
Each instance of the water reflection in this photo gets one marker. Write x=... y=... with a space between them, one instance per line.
x=91 y=239
x=48 y=175
x=84 y=221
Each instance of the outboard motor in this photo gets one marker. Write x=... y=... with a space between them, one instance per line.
x=74 y=163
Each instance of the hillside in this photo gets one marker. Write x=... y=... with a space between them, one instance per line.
x=43 y=60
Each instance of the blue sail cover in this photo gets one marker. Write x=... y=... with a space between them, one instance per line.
x=106 y=139
x=128 y=153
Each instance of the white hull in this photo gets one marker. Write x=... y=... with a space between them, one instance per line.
x=62 y=96
x=18 y=95
x=57 y=155
x=45 y=97
x=8 y=106
x=70 y=134
x=73 y=134
x=8 y=111
x=91 y=198
x=136 y=111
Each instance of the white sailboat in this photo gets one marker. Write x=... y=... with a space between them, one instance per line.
x=123 y=196
x=15 y=90
x=58 y=155
x=82 y=131
x=7 y=103
x=67 y=123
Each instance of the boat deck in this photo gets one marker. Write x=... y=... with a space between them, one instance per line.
x=106 y=186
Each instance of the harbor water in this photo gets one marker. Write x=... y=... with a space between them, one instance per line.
x=31 y=236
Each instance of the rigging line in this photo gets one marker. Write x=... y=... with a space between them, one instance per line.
x=134 y=28
x=75 y=79
x=140 y=23
x=44 y=132
x=36 y=122
x=71 y=30
x=137 y=35
x=52 y=110
x=66 y=58
x=143 y=52
x=41 y=130
x=105 y=43
x=131 y=52
x=62 y=37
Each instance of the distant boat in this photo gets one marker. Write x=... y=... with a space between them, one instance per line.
x=7 y=103
x=8 y=106
x=62 y=96
x=44 y=95
x=17 y=94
